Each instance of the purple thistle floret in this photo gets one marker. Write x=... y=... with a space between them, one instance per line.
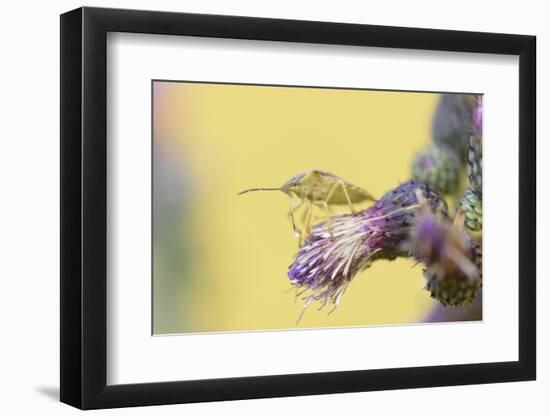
x=477 y=115
x=475 y=148
x=338 y=249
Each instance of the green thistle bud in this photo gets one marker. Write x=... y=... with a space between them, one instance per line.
x=452 y=292
x=475 y=163
x=437 y=167
x=472 y=204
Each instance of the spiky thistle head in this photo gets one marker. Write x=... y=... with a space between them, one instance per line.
x=472 y=206
x=346 y=244
x=475 y=163
x=437 y=166
x=452 y=259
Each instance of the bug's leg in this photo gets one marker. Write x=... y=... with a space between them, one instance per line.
x=327 y=214
x=331 y=192
x=333 y=189
x=326 y=208
x=293 y=208
x=343 y=185
x=306 y=211
x=303 y=220
x=308 y=218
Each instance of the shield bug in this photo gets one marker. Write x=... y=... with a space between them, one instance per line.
x=321 y=189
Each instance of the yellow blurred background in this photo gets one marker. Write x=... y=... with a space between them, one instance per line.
x=220 y=260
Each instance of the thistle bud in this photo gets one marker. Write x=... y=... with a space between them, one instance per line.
x=438 y=167
x=471 y=203
x=475 y=163
x=451 y=257
x=452 y=122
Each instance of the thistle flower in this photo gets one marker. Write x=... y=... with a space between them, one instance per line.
x=451 y=257
x=471 y=204
x=437 y=166
x=338 y=249
x=452 y=122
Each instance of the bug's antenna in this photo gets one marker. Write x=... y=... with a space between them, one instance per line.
x=259 y=189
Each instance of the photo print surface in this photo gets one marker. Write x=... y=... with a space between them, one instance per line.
x=286 y=207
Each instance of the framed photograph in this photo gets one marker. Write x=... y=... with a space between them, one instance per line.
x=256 y=208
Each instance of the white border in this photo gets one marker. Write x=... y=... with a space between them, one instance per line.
x=135 y=356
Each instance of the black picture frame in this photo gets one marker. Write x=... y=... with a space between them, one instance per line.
x=84 y=207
